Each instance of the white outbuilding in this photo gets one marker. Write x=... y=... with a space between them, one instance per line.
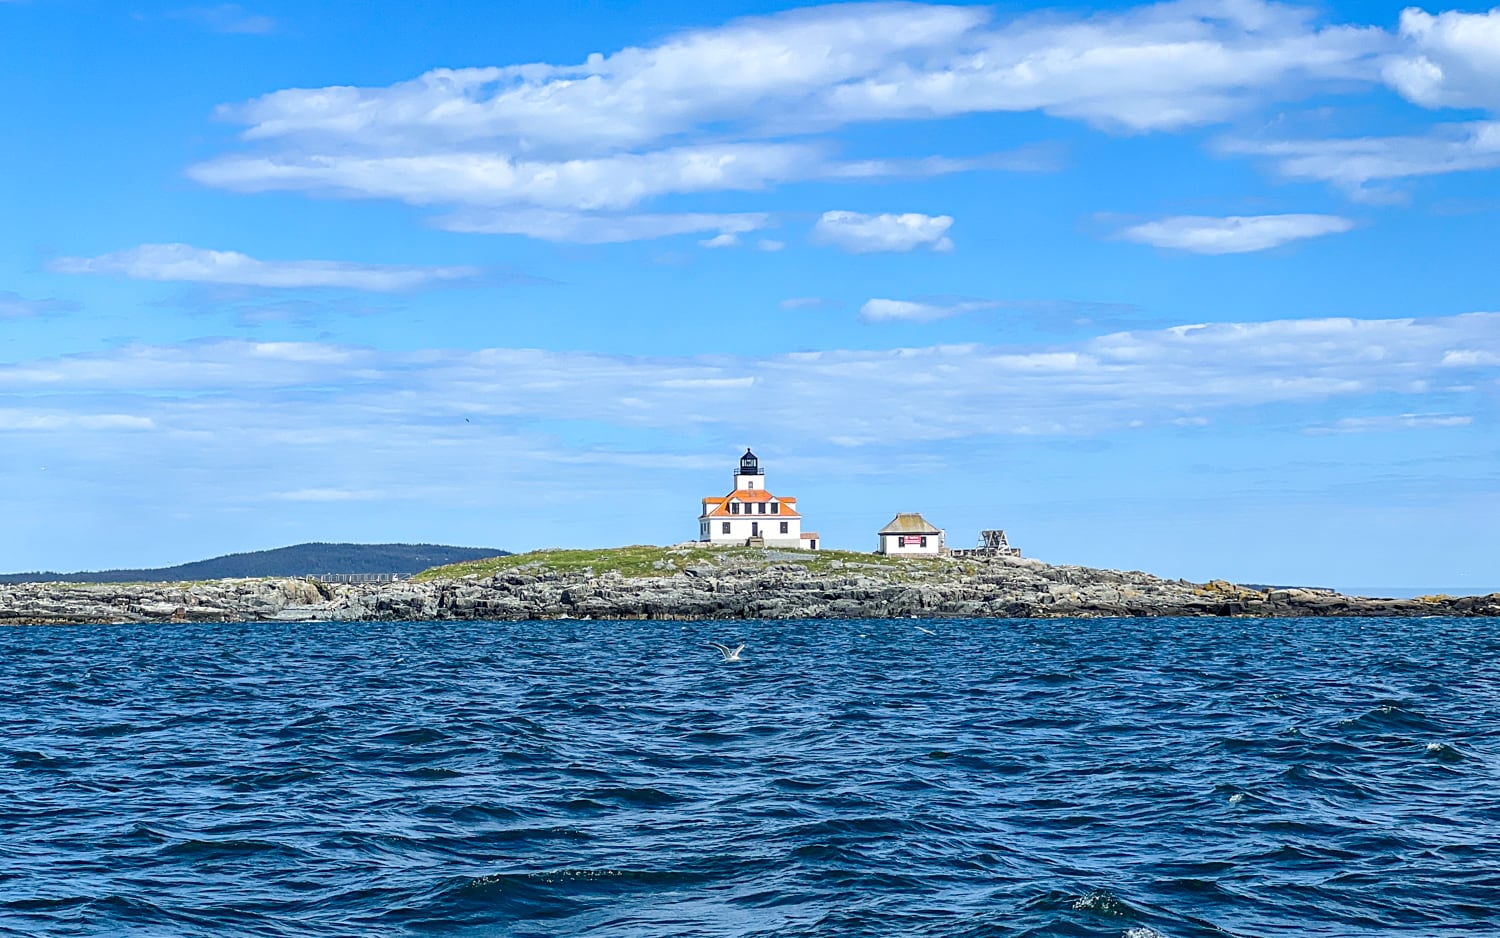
x=751 y=515
x=910 y=534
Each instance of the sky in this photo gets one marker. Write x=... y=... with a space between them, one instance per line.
x=1203 y=288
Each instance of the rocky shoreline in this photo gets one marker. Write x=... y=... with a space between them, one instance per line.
x=727 y=585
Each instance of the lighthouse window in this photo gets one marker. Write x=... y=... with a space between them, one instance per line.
x=776 y=508
x=762 y=508
x=784 y=527
x=726 y=527
x=734 y=508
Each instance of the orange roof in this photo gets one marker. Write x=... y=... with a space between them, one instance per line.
x=751 y=495
x=748 y=496
x=809 y=535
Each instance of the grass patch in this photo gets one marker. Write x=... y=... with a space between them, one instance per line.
x=648 y=561
x=634 y=561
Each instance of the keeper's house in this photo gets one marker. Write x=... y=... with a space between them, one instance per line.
x=751 y=515
x=909 y=533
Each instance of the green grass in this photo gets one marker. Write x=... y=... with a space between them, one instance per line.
x=627 y=561
x=647 y=561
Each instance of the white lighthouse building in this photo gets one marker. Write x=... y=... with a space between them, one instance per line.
x=751 y=515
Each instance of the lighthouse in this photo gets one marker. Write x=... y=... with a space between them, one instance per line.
x=751 y=515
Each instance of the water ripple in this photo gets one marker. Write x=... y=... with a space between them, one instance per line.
x=1120 y=778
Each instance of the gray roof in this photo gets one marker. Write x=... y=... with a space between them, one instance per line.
x=909 y=522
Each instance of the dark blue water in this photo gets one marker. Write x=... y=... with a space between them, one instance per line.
x=1111 y=778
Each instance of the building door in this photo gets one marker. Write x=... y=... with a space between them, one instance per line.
x=755 y=529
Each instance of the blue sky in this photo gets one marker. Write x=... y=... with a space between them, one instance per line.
x=1201 y=288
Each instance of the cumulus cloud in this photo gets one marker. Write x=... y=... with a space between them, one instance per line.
x=479 y=177
x=325 y=495
x=878 y=310
x=630 y=98
x=1355 y=163
x=865 y=234
x=1394 y=422
x=185 y=263
x=725 y=240
x=16 y=306
x=808 y=302
x=1445 y=60
x=594 y=228
x=1236 y=234
x=1452 y=59
x=1158 y=66
x=751 y=104
x=292 y=393
x=35 y=421
x=1470 y=358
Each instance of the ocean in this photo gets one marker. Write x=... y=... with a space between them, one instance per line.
x=1140 y=778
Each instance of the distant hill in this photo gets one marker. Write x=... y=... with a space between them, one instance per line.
x=298 y=560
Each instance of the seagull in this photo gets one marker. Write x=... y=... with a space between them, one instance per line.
x=730 y=654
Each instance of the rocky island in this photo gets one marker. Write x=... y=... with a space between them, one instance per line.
x=694 y=582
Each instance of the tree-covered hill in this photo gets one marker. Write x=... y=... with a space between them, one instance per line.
x=298 y=560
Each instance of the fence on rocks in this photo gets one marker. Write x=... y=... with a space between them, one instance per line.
x=358 y=577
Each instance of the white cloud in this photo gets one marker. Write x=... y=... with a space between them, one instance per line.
x=477 y=177
x=1470 y=358
x=594 y=228
x=770 y=245
x=747 y=105
x=1155 y=66
x=807 y=302
x=878 y=310
x=1236 y=234
x=1354 y=163
x=16 y=306
x=864 y=234
x=325 y=495
x=284 y=402
x=725 y=240
x=1031 y=159
x=631 y=98
x=185 y=263
x=1163 y=66
x=37 y=421
x=1453 y=59
x=1397 y=422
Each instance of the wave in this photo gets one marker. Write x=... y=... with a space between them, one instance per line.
x=1076 y=778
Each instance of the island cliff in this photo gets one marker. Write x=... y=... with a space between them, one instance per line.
x=698 y=583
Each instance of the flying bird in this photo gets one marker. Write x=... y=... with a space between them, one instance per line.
x=730 y=654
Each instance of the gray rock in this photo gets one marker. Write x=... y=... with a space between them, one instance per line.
x=735 y=586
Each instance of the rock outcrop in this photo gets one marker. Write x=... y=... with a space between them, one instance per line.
x=724 y=585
